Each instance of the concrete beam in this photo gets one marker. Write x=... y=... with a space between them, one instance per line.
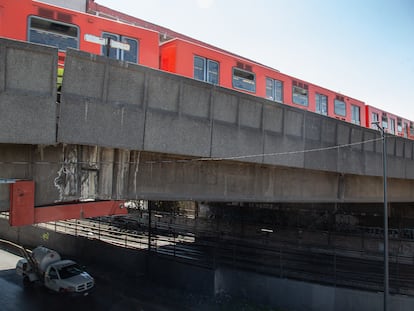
x=27 y=93
x=136 y=108
x=135 y=133
x=65 y=173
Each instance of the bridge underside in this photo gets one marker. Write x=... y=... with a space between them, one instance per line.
x=65 y=173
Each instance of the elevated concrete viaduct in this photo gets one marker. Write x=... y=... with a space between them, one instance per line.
x=124 y=131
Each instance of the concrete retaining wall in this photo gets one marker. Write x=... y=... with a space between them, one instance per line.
x=88 y=251
x=264 y=290
x=131 y=262
x=300 y=296
x=175 y=274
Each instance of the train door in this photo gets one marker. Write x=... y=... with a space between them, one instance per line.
x=410 y=130
x=131 y=56
x=355 y=114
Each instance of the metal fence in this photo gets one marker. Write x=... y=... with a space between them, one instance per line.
x=346 y=267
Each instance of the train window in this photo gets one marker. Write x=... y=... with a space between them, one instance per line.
x=300 y=95
x=270 y=89
x=399 y=124
x=206 y=70
x=374 y=118
x=113 y=53
x=128 y=56
x=392 y=126
x=384 y=121
x=244 y=80
x=274 y=90
x=279 y=91
x=339 y=107
x=355 y=114
x=212 y=72
x=53 y=33
x=131 y=55
x=199 y=68
x=321 y=104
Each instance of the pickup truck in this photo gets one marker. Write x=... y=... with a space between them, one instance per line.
x=46 y=266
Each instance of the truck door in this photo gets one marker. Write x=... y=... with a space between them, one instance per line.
x=52 y=279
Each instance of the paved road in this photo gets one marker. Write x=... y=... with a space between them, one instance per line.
x=110 y=294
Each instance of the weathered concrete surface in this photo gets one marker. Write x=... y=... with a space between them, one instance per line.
x=97 y=115
x=70 y=172
x=65 y=172
x=295 y=295
x=125 y=131
x=132 y=107
x=27 y=93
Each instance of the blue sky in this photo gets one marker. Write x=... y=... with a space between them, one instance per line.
x=361 y=48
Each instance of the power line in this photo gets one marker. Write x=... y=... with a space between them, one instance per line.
x=203 y=159
x=290 y=152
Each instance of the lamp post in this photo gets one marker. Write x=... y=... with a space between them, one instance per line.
x=384 y=171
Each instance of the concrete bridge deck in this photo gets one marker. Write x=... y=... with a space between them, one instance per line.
x=124 y=131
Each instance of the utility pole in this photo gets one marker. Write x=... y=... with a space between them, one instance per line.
x=384 y=172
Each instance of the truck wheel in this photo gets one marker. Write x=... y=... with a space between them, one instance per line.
x=27 y=282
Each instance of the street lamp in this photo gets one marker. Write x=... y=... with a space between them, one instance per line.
x=384 y=171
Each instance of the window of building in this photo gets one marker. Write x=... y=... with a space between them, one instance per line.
x=244 y=80
x=274 y=90
x=53 y=33
x=300 y=93
x=206 y=70
x=339 y=107
x=356 y=114
x=128 y=56
x=321 y=104
x=392 y=126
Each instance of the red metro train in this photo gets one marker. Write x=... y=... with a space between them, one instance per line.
x=39 y=22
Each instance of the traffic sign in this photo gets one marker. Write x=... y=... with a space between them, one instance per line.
x=95 y=39
x=108 y=42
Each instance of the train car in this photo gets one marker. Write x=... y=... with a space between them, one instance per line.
x=38 y=22
x=391 y=123
x=228 y=70
x=326 y=102
x=206 y=64
x=43 y=23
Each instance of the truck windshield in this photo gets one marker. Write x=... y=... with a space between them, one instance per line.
x=69 y=271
